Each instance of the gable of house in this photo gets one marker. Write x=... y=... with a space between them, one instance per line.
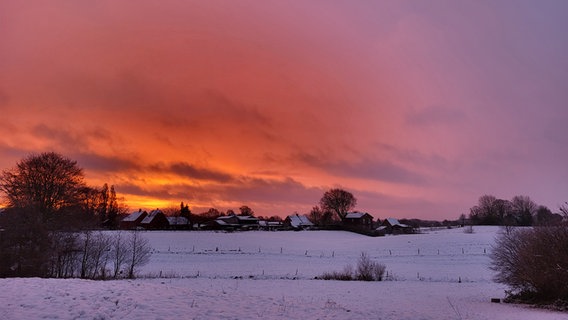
x=155 y=220
x=133 y=220
x=298 y=221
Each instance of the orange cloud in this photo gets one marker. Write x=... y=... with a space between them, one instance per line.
x=413 y=108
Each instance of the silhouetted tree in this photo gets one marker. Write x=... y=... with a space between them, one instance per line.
x=246 y=211
x=113 y=209
x=47 y=202
x=316 y=215
x=212 y=213
x=491 y=211
x=523 y=210
x=184 y=211
x=46 y=183
x=564 y=210
x=104 y=196
x=338 y=201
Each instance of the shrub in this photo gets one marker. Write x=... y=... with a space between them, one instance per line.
x=533 y=262
x=367 y=270
x=346 y=275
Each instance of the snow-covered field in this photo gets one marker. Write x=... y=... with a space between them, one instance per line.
x=441 y=274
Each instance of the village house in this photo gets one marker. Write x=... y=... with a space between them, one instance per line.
x=179 y=223
x=393 y=226
x=133 y=220
x=270 y=225
x=155 y=220
x=234 y=222
x=358 y=220
x=298 y=222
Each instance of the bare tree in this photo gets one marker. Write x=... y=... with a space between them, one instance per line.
x=139 y=252
x=65 y=257
x=338 y=201
x=246 y=211
x=119 y=253
x=523 y=210
x=99 y=256
x=45 y=183
x=564 y=210
x=491 y=211
x=316 y=215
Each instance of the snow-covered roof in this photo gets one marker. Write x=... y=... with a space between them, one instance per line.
x=221 y=222
x=299 y=221
x=227 y=220
x=355 y=215
x=394 y=222
x=153 y=214
x=134 y=216
x=177 y=220
x=247 y=218
x=264 y=223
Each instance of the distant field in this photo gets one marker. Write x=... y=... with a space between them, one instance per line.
x=446 y=255
x=269 y=275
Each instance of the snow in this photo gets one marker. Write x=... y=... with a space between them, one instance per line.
x=355 y=215
x=394 y=222
x=269 y=275
x=148 y=219
x=173 y=221
x=133 y=216
x=298 y=221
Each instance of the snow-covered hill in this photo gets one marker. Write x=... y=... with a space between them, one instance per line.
x=269 y=275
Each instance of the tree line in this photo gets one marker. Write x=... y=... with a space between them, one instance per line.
x=49 y=212
x=519 y=211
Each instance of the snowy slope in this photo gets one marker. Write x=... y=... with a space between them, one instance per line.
x=231 y=283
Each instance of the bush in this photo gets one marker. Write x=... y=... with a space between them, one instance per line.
x=533 y=262
x=346 y=275
x=367 y=270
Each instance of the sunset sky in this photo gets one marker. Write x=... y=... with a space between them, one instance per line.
x=416 y=107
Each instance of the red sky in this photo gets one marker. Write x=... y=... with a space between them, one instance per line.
x=417 y=108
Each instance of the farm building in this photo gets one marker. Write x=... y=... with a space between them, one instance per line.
x=358 y=220
x=298 y=222
x=155 y=220
x=393 y=226
x=232 y=222
x=133 y=220
x=270 y=225
x=179 y=223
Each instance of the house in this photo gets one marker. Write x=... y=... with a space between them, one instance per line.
x=248 y=222
x=155 y=220
x=393 y=226
x=233 y=222
x=230 y=222
x=298 y=222
x=270 y=225
x=358 y=220
x=133 y=220
x=179 y=223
